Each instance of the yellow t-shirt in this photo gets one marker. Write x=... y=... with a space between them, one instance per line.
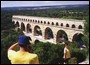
x=22 y=57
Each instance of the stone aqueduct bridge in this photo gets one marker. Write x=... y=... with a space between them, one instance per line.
x=49 y=29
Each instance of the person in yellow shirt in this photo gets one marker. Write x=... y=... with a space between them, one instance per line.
x=67 y=54
x=24 y=55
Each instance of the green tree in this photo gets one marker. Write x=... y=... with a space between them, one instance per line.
x=86 y=31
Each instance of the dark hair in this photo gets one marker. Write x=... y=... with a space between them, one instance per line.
x=22 y=45
x=66 y=42
x=27 y=47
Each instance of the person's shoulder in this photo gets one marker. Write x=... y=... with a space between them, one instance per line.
x=33 y=54
x=65 y=48
x=11 y=51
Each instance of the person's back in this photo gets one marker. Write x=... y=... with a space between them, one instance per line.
x=67 y=52
x=24 y=55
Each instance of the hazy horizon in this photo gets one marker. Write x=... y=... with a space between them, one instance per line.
x=40 y=3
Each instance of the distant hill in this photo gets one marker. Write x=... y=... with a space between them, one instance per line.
x=47 y=7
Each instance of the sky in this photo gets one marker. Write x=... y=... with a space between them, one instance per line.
x=39 y=3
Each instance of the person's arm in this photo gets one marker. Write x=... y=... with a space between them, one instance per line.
x=11 y=51
x=13 y=47
x=65 y=56
x=65 y=53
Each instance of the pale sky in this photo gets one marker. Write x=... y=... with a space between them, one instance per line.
x=39 y=3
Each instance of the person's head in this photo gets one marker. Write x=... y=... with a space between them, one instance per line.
x=66 y=43
x=23 y=41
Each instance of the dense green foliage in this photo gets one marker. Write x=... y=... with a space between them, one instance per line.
x=86 y=31
x=80 y=55
x=6 y=21
x=49 y=53
x=86 y=23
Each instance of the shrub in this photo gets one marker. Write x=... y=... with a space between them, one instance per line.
x=77 y=53
x=49 y=53
x=85 y=39
x=73 y=61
